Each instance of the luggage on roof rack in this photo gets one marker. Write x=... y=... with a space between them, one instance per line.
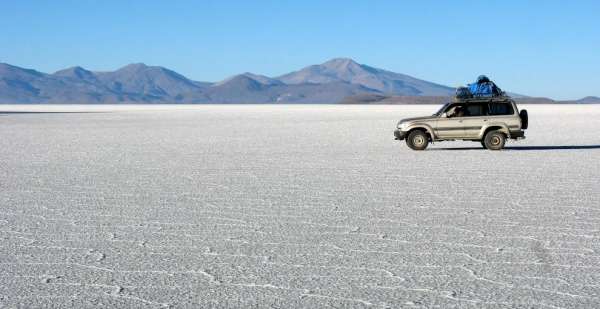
x=463 y=93
x=482 y=88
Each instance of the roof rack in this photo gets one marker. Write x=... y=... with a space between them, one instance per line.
x=502 y=98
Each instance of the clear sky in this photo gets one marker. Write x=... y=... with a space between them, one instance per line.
x=539 y=48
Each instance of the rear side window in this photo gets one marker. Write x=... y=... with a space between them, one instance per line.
x=474 y=110
x=501 y=109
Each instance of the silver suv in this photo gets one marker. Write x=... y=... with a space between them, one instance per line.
x=489 y=121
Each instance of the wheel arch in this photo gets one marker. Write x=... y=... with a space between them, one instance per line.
x=421 y=126
x=493 y=127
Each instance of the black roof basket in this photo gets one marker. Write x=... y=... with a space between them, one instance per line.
x=502 y=98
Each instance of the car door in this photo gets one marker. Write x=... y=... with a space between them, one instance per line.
x=475 y=118
x=449 y=125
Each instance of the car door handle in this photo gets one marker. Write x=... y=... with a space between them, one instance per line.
x=485 y=120
x=460 y=121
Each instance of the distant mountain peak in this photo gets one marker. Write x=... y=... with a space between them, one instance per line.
x=343 y=65
x=142 y=70
x=344 y=62
x=76 y=71
x=142 y=67
x=378 y=80
x=6 y=70
x=263 y=79
x=252 y=75
x=249 y=78
x=75 y=68
x=340 y=62
x=241 y=81
x=589 y=99
x=137 y=65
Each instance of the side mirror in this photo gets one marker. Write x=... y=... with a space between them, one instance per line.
x=444 y=115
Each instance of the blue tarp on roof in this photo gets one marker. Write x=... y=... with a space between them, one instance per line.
x=484 y=87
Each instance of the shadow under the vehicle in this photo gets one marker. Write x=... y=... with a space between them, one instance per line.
x=558 y=147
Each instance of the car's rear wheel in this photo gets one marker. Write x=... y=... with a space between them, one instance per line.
x=483 y=144
x=417 y=140
x=494 y=140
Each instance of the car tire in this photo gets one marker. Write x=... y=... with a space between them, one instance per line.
x=483 y=144
x=494 y=140
x=417 y=140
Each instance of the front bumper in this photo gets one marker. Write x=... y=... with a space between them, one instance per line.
x=399 y=135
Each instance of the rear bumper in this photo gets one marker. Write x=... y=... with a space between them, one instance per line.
x=399 y=135
x=517 y=134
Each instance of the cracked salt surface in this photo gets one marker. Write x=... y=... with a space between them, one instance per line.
x=293 y=206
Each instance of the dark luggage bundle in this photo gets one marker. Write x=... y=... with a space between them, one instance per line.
x=463 y=93
x=482 y=88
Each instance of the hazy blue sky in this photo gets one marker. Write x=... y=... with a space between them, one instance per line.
x=542 y=48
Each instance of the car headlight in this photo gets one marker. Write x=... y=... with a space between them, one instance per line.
x=402 y=125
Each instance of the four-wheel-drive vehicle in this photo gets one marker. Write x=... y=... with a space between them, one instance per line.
x=487 y=120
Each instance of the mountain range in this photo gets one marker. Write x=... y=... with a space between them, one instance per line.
x=329 y=82
x=337 y=80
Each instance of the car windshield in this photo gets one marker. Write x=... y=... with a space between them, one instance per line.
x=442 y=109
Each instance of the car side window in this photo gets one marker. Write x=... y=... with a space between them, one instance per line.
x=474 y=110
x=455 y=110
x=496 y=109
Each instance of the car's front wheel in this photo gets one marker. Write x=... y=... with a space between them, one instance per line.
x=417 y=140
x=494 y=140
